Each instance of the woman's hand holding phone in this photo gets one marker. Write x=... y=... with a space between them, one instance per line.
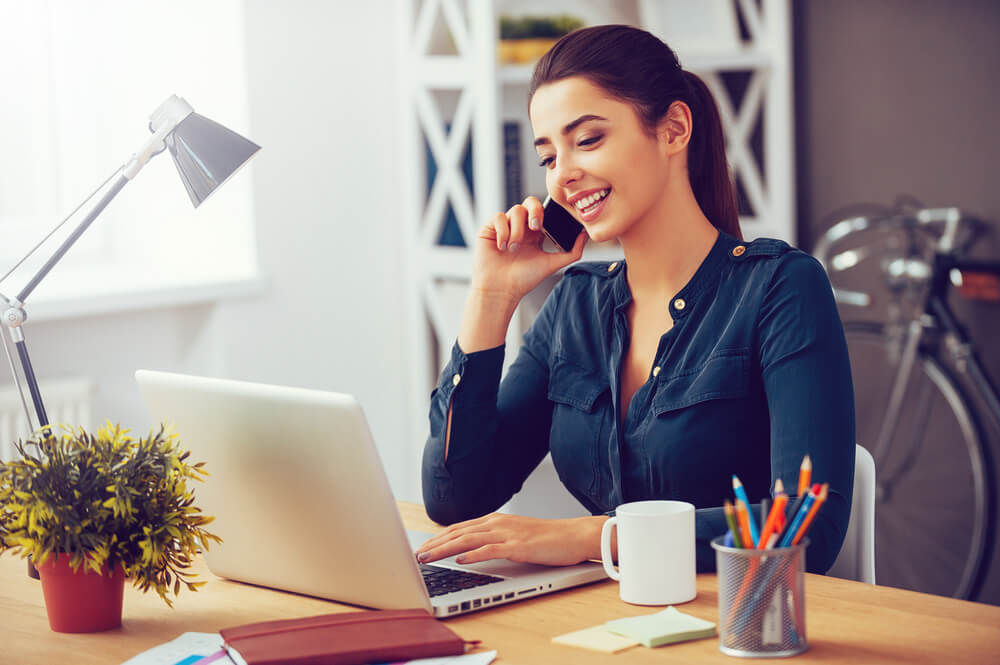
x=508 y=257
x=508 y=262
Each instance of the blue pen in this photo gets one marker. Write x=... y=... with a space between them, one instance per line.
x=741 y=494
x=793 y=528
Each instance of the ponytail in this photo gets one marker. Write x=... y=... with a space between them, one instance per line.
x=636 y=67
x=707 y=166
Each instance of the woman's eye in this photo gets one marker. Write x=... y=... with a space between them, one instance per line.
x=590 y=140
x=546 y=161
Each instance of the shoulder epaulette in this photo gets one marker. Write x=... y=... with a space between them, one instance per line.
x=595 y=268
x=761 y=247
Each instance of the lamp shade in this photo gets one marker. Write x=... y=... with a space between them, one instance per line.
x=206 y=154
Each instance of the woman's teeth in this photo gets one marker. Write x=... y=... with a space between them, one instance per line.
x=590 y=201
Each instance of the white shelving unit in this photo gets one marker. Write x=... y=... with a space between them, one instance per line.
x=455 y=90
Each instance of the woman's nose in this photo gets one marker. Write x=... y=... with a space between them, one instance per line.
x=567 y=172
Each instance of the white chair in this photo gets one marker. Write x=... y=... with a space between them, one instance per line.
x=856 y=560
x=544 y=495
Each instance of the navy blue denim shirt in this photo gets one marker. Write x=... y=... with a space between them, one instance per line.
x=753 y=375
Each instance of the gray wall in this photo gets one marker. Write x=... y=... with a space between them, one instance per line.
x=901 y=96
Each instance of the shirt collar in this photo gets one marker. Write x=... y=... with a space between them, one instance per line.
x=702 y=282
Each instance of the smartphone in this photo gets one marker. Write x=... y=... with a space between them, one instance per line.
x=559 y=225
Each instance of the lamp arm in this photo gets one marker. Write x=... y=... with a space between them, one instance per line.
x=73 y=237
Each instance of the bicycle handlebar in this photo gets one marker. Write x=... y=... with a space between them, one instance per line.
x=951 y=217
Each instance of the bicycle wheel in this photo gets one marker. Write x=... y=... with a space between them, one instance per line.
x=934 y=492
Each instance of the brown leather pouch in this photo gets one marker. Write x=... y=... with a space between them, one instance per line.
x=348 y=638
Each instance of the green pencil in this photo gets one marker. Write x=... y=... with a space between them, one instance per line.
x=731 y=521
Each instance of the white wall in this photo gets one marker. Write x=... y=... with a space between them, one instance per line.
x=324 y=105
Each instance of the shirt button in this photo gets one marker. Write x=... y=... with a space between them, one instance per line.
x=679 y=304
x=612 y=266
x=738 y=250
x=455 y=379
x=656 y=371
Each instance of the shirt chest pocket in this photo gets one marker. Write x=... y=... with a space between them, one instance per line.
x=581 y=409
x=724 y=376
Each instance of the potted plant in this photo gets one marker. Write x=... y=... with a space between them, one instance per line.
x=524 y=39
x=93 y=509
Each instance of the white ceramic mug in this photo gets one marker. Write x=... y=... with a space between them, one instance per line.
x=656 y=561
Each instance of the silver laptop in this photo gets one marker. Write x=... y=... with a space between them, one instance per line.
x=302 y=502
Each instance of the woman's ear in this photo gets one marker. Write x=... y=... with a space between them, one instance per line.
x=674 y=130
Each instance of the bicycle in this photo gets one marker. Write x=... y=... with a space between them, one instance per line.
x=913 y=373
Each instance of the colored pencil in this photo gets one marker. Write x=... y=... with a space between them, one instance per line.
x=798 y=518
x=805 y=475
x=791 y=511
x=741 y=494
x=820 y=498
x=743 y=517
x=765 y=508
x=734 y=528
x=771 y=525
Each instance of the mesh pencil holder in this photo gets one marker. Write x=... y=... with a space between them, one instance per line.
x=762 y=602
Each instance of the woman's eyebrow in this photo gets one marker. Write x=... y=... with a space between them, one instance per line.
x=570 y=127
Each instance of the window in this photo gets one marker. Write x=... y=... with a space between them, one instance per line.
x=80 y=82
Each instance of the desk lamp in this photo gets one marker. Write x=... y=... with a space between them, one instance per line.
x=206 y=155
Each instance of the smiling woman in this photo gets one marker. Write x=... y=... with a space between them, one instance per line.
x=86 y=78
x=697 y=358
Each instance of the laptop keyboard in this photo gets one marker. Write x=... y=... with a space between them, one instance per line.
x=440 y=581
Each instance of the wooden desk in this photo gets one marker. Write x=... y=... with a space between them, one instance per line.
x=847 y=622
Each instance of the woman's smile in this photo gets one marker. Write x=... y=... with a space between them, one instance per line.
x=589 y=205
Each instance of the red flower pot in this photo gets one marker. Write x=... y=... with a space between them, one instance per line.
x=78 y=601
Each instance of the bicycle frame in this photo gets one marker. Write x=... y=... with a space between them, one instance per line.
x=936 y=305
x=938 y=315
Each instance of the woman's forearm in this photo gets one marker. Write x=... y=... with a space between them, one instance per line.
x=485 y=320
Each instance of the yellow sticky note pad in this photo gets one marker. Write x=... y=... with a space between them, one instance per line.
x=666 y=627
x=596 y=638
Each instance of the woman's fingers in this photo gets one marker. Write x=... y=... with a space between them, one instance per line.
x=517 y=217
x=502 y=229
x=457 y=544
x=486 y=553
x=518 y=538
x=535 y=212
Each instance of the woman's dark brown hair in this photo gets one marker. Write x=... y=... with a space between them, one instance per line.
x=636 y=67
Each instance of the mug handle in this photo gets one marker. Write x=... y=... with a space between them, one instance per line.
x=609 y=567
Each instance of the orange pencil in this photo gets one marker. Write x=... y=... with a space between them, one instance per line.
x=777 y=508
x=820 y=498
x=805 y=475
x=743 y=518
